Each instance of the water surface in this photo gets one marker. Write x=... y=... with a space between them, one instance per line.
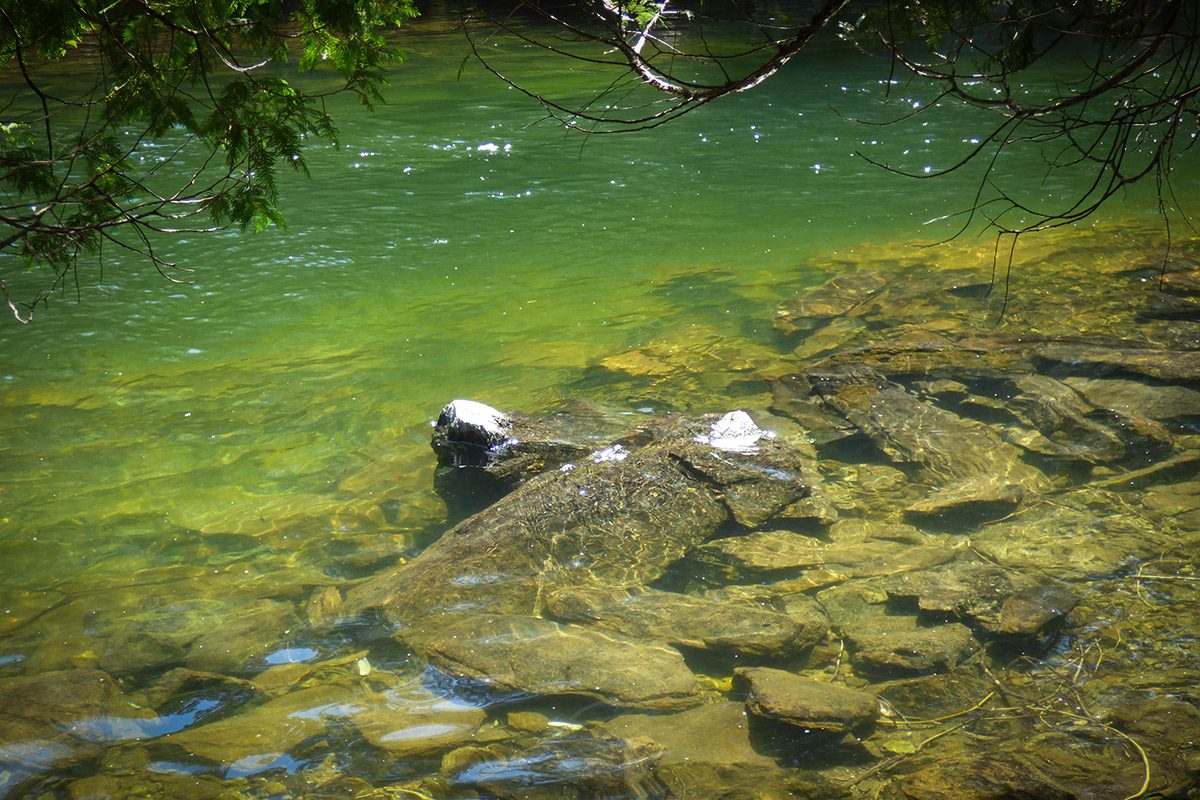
x=187 y=456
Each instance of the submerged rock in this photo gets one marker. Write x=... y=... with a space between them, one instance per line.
x=1129 y=358
x=1030 y=610
x=261 y=734
x=888 y=643
x=537 y=656
x=576 y=766
x=53 y=719
x=836 y=298
x=978 y=473
x=614 y=522
x=471 y=602
x=805 y=703
x=764 y=552
x=715 y=735
x=417 y=723
x=1047 y=766
x=1136 y=398
x=967 y=589
x=1065 y=425
x=684 y=620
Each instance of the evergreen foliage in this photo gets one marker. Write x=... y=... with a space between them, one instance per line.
x=95 y=80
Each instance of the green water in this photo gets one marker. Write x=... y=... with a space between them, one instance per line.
x=417 y=266
x=263 y=432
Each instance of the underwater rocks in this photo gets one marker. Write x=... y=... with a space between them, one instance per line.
x=834 y=300
x=573 y=766
x=619 y=521
x=1131 y=358
x=990 y=597
x=978 y=474
x=885 y=644
x=540 y=657
x=1030 y=610
x=714 y=736
x=581 y=543
x=1166 y=403
x=54 y=719
x=684 y=620
x=1062 y=424
x=805 y=703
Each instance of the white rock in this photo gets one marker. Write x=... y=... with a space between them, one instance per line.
x=469 y=415
x=611 y=453
x=735 y=433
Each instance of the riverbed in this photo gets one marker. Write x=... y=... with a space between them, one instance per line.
x=194 y=475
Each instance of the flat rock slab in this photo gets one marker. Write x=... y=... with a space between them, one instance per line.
x=1178 y=366
x=887 y=643
x=1028 y=611
x=805 y=703
x=1071 y=543
x=270 y=730
x=1136 y=398
x=967 y=589
x=684 y=620
x=575 y=766
x=1064 y=424
x=540 y=657
x=979 y=497
x=763 y=552
x=50 y=703
x=715 y=734
x=981 y=473
x=865 y=548
x=411 y=722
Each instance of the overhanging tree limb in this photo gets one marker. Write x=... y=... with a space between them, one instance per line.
x=201 y=74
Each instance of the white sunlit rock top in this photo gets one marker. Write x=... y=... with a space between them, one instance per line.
x=480 y=418
x=735 y=433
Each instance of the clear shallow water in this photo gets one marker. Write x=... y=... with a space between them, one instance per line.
x=265 y=432
x=449 y=246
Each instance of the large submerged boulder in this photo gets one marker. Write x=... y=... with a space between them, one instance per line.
x=615 y=518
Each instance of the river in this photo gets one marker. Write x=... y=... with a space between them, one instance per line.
x=201 y=456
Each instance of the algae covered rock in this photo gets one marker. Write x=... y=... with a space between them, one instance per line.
x=540 y=657
x=1033 y=608
x=976 y=472
x=683 y=620
x=615 y=522
x=805 y=703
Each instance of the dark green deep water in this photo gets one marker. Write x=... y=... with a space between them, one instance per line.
x=188 y=456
